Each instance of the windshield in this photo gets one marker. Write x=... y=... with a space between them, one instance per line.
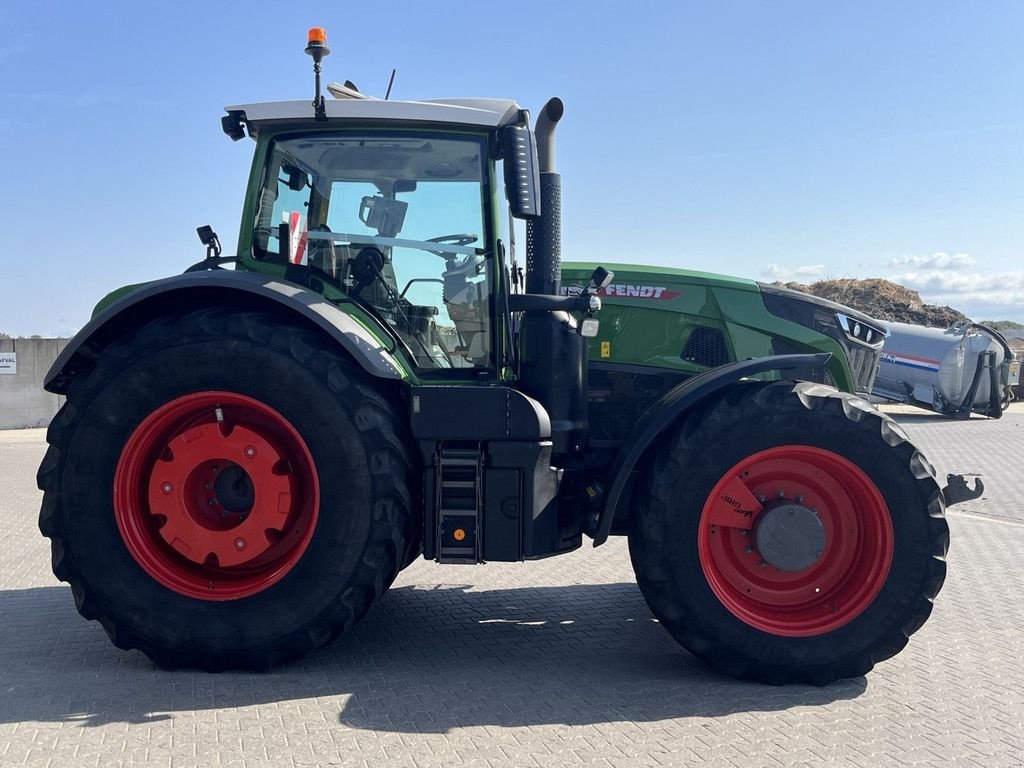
x=397 y=223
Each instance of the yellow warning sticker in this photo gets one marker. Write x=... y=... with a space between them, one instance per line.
x=606 y=349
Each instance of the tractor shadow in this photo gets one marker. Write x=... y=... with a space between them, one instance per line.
x=426 y=660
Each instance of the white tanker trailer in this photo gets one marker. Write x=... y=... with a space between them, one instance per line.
x=967 y=368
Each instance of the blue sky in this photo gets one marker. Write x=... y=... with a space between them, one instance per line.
x=769 y=140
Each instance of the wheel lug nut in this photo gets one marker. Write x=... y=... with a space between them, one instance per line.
x=213 y=502
x=239 y=543
x=166 y=488
x=780 y=493
x=209 y=486
x=762 y=563
x=790 y=512
x=744 y=531
x=799 y=499
x=749 y=550
x=250 y=452
x=761 y=499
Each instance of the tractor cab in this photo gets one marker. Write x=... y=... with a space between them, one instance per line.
x=394 y=223
x=394 y=207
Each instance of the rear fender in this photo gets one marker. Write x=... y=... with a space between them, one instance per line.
x=245 y=290
x=673 y=406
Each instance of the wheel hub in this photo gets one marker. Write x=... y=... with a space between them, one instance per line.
x=216 y=495
x=234 y=490
x=789 y=536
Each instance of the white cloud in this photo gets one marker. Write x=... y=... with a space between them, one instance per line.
x=956 y=282
x=937 y=260
x=946 y=282
x=806 y=272
x=810 y=270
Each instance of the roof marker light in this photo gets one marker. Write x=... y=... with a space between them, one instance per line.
x=317 y=48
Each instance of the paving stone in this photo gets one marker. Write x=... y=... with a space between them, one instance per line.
x=552 y=663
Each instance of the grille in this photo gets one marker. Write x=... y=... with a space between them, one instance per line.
x=864 y=364
x=706 y=346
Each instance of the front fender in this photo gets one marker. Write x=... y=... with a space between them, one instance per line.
x=664 y=413
x=244 y=290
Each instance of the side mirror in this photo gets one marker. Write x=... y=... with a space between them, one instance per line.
x=601 y=279
x=209 y=238
x=522 y=174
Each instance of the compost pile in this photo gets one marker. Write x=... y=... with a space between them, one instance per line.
x=882 y=300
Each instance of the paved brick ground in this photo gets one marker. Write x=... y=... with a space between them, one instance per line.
x=454 y=667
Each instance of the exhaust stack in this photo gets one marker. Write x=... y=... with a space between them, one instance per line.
x=553 y=364
x=544 y=234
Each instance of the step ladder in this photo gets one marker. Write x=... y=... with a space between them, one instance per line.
x=459 y=504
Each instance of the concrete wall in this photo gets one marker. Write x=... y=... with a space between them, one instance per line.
x=23 y=402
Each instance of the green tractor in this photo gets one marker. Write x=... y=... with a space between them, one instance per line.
x=248 y=457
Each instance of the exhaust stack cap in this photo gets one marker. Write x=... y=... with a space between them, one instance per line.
x=548 y=118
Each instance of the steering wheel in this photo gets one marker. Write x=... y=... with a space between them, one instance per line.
x=461 y=238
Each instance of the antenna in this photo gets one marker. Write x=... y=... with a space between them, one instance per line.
x=390 y=83
x=316 y=47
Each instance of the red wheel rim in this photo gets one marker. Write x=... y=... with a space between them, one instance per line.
x=216 y=496
x=833 y=590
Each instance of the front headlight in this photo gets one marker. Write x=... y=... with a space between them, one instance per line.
x=862 y=331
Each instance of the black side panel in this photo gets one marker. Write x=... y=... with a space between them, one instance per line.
x=477 y=413
x=618 y=394
x=540 y=531
x=553 y=369
x=219 y=287
x=503 y=507
x=663 y=414
x=805 y=372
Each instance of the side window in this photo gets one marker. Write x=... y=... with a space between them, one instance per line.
x=279 y=203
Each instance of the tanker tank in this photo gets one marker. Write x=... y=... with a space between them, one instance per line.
x=962 y=370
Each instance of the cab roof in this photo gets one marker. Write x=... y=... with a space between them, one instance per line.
x=475 y=113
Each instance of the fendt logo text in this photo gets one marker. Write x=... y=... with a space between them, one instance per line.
x=624 y=291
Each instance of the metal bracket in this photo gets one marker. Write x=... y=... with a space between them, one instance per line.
x=957 y=490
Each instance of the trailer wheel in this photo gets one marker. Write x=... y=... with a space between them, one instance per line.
x=224 y=491
x=789 y=532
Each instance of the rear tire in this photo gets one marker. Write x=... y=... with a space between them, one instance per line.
x=303 y=537
x=818 y=616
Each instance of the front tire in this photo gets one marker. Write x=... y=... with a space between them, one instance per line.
x=224 y=491
x=790 y=533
